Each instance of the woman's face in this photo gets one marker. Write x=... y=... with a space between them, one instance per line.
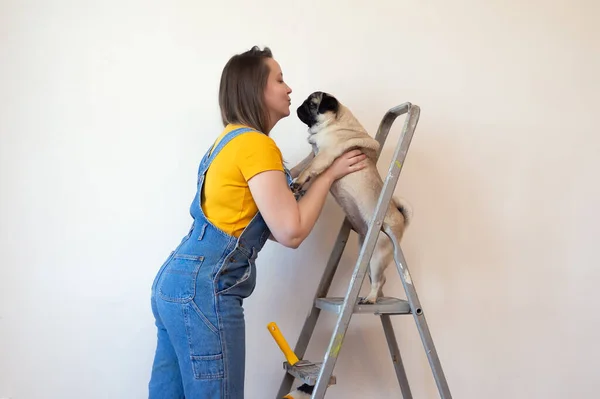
x=277 y=93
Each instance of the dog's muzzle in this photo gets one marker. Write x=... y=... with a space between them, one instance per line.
x=304 y=114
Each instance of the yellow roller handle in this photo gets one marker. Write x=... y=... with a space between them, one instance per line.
x=283 y=345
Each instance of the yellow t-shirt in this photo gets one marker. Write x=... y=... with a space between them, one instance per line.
x=226 y=199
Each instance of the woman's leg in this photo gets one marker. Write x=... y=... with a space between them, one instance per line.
x=185 y=301
x=210 y=343
x=165 y=380
x=204 y=319
x=233 y=339
x=236 y=282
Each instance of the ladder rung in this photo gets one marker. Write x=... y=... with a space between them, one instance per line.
x=384 y=305
x=306 y=371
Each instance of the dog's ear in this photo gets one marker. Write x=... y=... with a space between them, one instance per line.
x=328 y=103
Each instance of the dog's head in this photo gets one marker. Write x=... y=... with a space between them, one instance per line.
x=318 y=108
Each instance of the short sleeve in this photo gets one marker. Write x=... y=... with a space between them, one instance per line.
x=257 y=153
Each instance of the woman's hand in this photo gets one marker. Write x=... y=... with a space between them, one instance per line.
x=351 y=161
x=290 y=222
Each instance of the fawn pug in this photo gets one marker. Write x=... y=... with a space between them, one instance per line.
x=333 y=130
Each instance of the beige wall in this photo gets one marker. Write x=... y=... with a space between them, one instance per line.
x=107 y=107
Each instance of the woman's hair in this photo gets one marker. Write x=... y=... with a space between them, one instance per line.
x=242 y=87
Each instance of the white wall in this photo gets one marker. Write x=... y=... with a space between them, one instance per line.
x=106 y=108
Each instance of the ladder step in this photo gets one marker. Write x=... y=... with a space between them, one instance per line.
x=306 y=371
x=384 y=305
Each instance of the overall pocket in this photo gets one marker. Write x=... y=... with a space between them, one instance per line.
x=204 y=342
x=208 y=367
x=177 y=282
x=237 y=275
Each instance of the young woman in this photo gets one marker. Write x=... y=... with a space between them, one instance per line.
x=243 y=198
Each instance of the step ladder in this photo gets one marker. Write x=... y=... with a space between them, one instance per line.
x=320 y=374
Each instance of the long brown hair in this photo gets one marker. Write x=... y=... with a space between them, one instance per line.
x=242 y=87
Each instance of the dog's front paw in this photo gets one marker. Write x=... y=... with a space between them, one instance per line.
x=297 y=190
x=303 y=178
x=296 y=187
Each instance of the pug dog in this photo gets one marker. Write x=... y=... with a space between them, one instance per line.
x=333 y=130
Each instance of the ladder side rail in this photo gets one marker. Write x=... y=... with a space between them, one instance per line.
x=421 y=323
x=386 y=322
x=390 y=337
x=386 y=124
x=417 y=310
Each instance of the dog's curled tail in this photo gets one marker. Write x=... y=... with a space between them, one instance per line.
x=404 y=208
x=304 y=391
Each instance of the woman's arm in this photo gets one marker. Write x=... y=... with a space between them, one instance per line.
x=291 y=221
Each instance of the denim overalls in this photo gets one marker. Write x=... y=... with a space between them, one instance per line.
x=197 y=299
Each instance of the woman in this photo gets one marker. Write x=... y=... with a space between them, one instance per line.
x=243 y=197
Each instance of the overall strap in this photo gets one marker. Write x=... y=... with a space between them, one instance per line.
x=210 y=156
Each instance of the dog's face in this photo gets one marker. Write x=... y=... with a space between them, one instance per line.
x=318 y=108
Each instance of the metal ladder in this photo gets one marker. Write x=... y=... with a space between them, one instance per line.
x=321 y=374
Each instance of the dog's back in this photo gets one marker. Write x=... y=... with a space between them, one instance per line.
x=357 y=193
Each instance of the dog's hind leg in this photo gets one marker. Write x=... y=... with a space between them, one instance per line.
x=382 y=256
